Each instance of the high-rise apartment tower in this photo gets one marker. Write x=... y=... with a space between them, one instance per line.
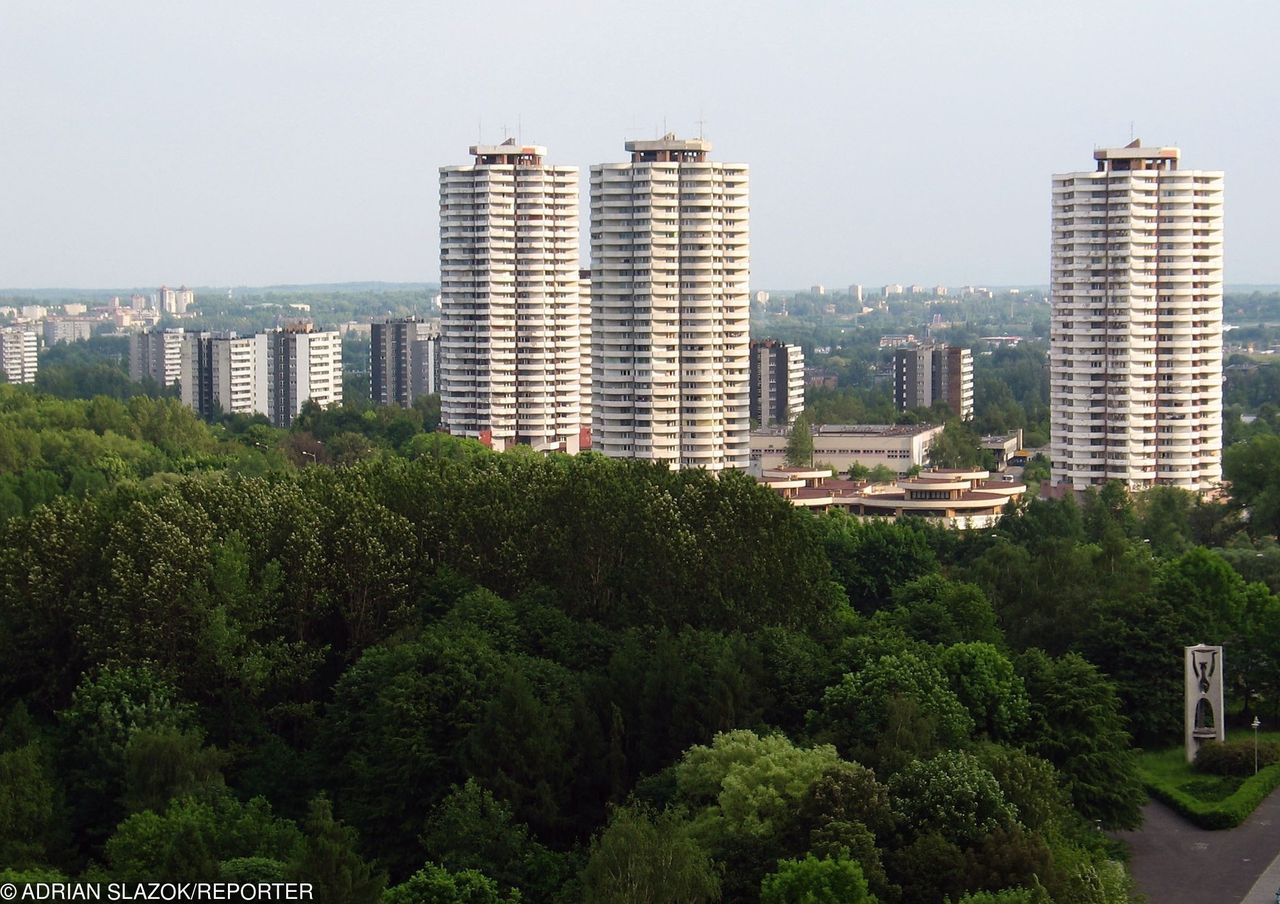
x=511 y=315
x=669 y=307
x=933 y=372
x=302 y=365
x=18 y=355
x=1136 y=341
x=404 y=361
x=777 y=382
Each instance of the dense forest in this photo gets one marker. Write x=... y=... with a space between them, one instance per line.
x=427 y=672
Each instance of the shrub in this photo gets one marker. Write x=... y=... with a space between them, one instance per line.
x=1235 y=757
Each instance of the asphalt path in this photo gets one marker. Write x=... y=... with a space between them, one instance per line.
x=1173 y=862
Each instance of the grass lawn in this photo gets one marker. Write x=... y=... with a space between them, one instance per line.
x=1209 y=801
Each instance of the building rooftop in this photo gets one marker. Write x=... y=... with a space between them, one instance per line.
x=669 y=147
x=854 y=430
x=509 y=153
x=1133 y=156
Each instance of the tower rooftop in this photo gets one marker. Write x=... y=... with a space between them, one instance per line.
x=509 y=153
x=1133 y=156
x=669 y=147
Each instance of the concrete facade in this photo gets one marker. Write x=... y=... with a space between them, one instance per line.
x=511 y=309
x=670 y=306
x=1136 y=340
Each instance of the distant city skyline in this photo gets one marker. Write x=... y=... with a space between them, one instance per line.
x=249 y=144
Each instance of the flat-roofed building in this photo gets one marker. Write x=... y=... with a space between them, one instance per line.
x=19 y=358
x=511 y=305
x=1135 y=356
x=302 y=365
x=156 y=355
x=670 y=307
x=404 y=361
x=926 y=374
x=960 y=498
x=896 y=447
x=69 y=329
x=777 y=382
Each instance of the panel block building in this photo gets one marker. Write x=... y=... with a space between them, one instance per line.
x=404 y=361
x=928 y=373
x=777 y=382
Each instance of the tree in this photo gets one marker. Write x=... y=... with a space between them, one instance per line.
x=192 y=838
x=957 y=446
x=815 y=881
x=1076 y=725
x=858 y=712
x=106 y=711
x=951 y=794
x=644 y=857
x=799 y=450
x=984 y=681
x=160 y=765
x=1254 y=471
x=435 y=885
x=871 y=559
x=329 y=860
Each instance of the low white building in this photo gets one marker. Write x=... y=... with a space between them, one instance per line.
x=898 y=448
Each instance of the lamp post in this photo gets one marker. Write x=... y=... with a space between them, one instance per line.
x=1256 y=723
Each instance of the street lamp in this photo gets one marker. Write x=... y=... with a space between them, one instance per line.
x=1256 y=723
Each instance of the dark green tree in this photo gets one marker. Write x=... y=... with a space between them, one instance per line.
x=328 y=858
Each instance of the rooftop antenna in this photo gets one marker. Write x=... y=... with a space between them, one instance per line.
x=1131 y=130
x=701 y=123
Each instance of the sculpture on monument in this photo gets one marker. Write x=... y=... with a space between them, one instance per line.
x=1203 y=667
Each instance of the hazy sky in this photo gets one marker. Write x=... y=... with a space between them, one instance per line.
x=265 y=141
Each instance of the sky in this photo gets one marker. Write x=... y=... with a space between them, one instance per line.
x=254 y=142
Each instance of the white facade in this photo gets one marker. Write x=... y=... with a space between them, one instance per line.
x=584 y=348
x=302 y=366
x=898 y=448
x=69 y=329
x=1136 y=343
x=238 y=374
x=670 y=306
x=510 y=308
x=18 y=355
x=156 y=354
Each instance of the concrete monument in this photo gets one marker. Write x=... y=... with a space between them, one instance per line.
x=1204 y=699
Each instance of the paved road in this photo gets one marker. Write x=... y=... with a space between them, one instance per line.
x=1173 y=862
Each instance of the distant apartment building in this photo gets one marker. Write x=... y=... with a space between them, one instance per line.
x=584 y=352
x=19 y=357
x=855 y=293
x=174 y=301
x=892 y=289
x=302 y=365
x=511 y=309
x=156 y=355
x=777 y=382
x=897 y=340
x=897 y=447
x=929 y=373
x=1136 y=333
x=670 y=307
x=404 y=361
x=223 y=372
x=68 y=329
